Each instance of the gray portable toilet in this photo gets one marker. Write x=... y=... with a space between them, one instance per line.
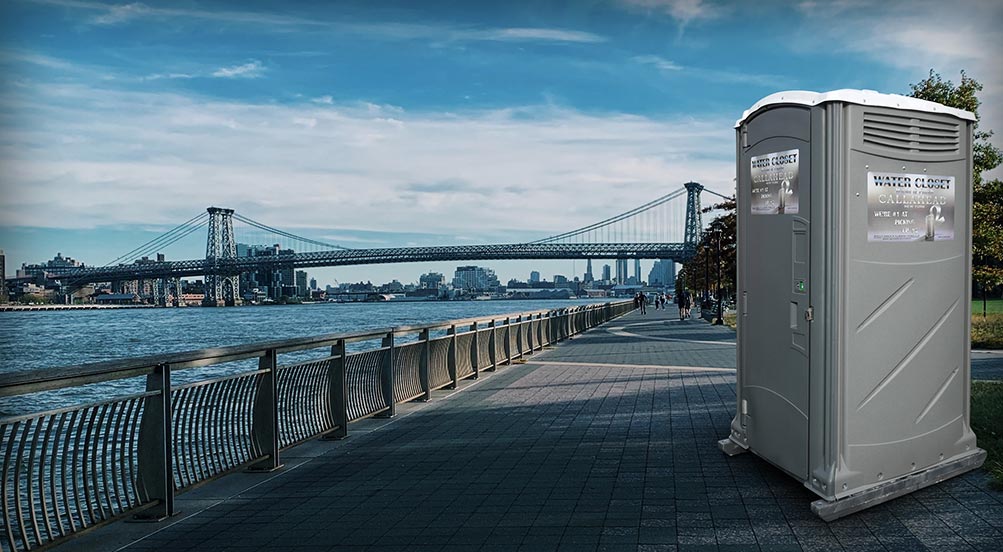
x=854 y=286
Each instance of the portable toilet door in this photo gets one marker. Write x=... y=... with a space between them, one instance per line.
x=854 y=252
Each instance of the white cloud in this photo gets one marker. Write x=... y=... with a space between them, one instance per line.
x=537 y=34
x=658 y=62
x=682 y=11
x=159 y=76
x=368 y=167
x=673 y=69
x=110 y=14
x=325 y=100
x=122 y=12
x=250 y=70
x=113 y=14
x=36 y=59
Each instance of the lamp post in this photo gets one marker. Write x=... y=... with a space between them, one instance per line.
x=706 y=278
x=719 y=321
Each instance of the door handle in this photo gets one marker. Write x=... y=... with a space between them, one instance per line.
x=809 y=314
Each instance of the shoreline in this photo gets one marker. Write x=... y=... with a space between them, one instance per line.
x=19 y=308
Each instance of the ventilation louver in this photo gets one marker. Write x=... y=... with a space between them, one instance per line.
x=913 y=134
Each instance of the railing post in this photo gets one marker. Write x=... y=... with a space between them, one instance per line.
x=424 y=363
x=540 y=332
x=265 y=417
x=519 y=345
x=529 y=334
x=452 y=357
x=492 y=346
x=475 y=351
x=508 y=341
x=155 y=480
x=338 y=391
x=388 y=376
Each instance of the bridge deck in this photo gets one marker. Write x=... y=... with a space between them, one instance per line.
x=606 y=442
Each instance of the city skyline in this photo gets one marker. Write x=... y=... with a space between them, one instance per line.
x=452 y=123
x=60 y=260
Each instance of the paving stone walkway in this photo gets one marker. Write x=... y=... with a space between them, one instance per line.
x=605 y=442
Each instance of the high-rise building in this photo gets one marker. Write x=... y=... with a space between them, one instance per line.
x=637 y=270
x=301 y=283
x=560 y=280
x=313 y=284
x=621 y=271
x=605 y=273
x=663 y=273
x=588 y=272
x=270 y=281
x=432 y=280
x=475 y=278
x=534 y=276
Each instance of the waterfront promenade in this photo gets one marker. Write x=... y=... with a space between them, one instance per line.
x=605 y=442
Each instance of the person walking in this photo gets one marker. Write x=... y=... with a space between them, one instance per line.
x=644 y=302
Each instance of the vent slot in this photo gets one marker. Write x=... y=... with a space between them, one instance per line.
x=912 y=134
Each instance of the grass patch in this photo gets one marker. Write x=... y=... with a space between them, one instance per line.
x=992 y=306
x=987 y=422
x=987 y=333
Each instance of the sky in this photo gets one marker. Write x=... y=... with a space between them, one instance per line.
x=373 y=124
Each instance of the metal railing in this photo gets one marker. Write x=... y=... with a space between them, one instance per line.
x=68 y=469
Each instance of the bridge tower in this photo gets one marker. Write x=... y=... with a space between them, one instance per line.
x=694 y=219
x=221 y=285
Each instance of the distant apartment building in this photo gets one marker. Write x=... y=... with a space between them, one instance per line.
x=621 y=271
x=274 y=282
x=313 y=284
x=560 y=280
x=392 y=287
x=432 y=280
x=475 y=278
x=301 y=283
x=663 y=273
x=606 y=273
x=588 y=273
x=56 y=267
x=534 y=277
x=637 y=270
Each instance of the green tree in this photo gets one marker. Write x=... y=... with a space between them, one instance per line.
x=987 y=197
x=692 y=275
x=987 y=237
x=31 y=298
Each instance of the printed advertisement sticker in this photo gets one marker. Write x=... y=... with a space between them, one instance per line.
x=775 y=183
x=904 y=207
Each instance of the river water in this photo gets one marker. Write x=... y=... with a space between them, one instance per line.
x=44 y=339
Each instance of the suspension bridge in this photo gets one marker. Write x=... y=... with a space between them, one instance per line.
x=660 y=229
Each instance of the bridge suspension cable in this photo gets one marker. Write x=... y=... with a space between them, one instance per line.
x=722 y=196
x=634 y=224
x=283 y=233
x=170 y=237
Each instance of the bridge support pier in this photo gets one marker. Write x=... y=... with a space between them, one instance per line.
x=221 y=288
